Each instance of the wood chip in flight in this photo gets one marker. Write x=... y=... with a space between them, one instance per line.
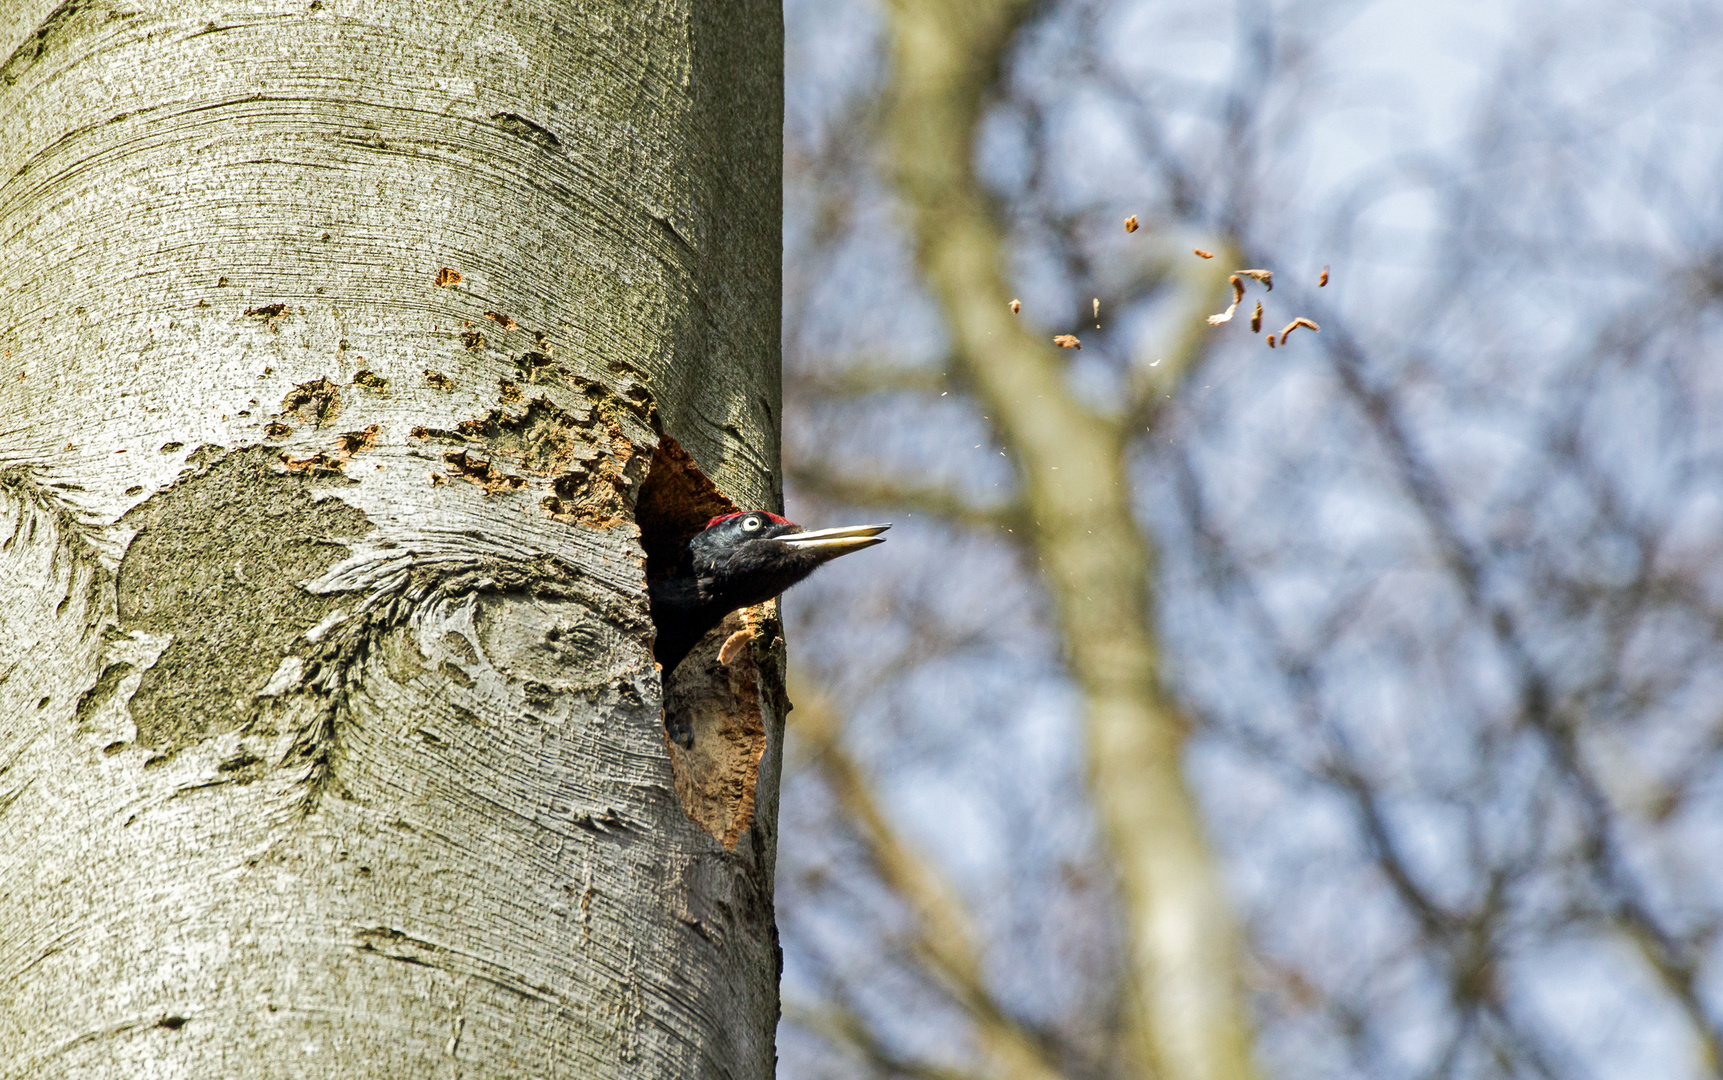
x=1131 y=223
x=1323 y=280
x=1295 y=324
x=1225 y=316
x=1201 y=254
x=1256 y=319
x=1237 y=284
x=733 y=646
x=1264 y=276
x=1068 y=341
x=1016 y=306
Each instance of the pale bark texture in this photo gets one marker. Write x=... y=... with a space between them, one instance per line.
x=359 y=359
x=1191 y=1017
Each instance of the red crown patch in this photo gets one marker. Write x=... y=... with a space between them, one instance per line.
x=740 y=513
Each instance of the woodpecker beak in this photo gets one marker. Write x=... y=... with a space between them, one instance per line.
x=830 y=543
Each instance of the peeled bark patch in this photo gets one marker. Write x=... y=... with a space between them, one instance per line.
x=720 y=703
x=591 y=465
x=330 y=462
x=217 y=564
x=315 y=402
x=481 y=472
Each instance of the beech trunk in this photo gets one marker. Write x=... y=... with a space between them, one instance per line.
x=359 y=362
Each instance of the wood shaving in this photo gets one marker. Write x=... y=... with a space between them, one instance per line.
x=1237 y=284
x=1097 y=303
x=1271 y=340
x=1323 y=280
x=1016 y=306
x=1068 y=341
x=1256 y=319
x=1223 y=317
x=1201 y=254
x=1131 y=223
x=1295 y=324
x=733 y=646
x=1264 y=276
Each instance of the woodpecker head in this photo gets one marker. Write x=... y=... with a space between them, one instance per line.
x=736 y=561
x=747 y=558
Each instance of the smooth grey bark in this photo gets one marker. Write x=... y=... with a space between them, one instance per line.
x=330 y=738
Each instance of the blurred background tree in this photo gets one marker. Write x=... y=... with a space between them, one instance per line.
x=1353 y=709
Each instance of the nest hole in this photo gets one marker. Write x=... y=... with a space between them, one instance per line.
x=675 y=503
x=714 y=730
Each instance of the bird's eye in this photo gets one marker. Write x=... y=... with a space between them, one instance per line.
x=751 y=524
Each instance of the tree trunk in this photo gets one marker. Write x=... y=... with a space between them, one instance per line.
x=1189 y=1016
x=343 y=346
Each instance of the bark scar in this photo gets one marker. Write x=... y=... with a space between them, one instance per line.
x=718 y=701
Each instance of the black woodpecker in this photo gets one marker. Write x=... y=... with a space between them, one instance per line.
x=737 y=561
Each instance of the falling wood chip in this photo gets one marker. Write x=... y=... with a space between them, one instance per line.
x=1068 y=341
x=1097 y=303
x=1131 y=223
x=1264 y=276
x=1295 y=324
x=1323 y=280
x=733 y=646
x=1225 y=316
x=1201 y=254
x=1271 y=340
x=1237 y=284
x=1256 y=319
x=1016 y=306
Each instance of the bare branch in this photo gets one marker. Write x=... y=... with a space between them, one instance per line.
x=1669 y=958
x=934 y=501
x=945 y=937
x=1191 y=1019
x=1464 y=940
x=862 y=378
x=844 y=1029
x=1153 y=382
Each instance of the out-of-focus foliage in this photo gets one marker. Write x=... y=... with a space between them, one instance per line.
x=1441 y=584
